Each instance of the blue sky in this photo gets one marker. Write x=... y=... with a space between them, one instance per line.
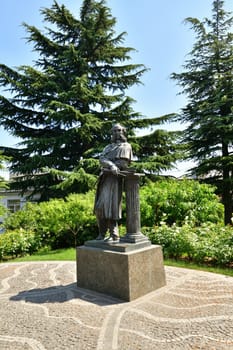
x=154 y=28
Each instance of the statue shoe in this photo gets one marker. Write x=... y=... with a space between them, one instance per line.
x=100 y=237
x=112 y=239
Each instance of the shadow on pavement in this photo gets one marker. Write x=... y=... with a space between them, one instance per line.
x=61 y=294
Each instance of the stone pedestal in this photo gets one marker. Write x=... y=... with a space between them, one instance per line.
x=126 y=275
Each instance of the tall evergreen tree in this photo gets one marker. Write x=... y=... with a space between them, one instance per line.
x=64 y=106
x=207 y=81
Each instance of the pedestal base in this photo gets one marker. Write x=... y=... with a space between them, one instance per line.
x=125 y=275
x=134 y=238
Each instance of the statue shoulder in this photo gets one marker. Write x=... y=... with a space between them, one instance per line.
x=126 y=146
x=125 y=151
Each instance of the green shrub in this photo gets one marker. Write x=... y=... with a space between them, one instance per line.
x=177 y=241
x=25 y=218
x=209 y=243
x=58 y=223
x=179 y=201
x=80 y=219
x=214 y=244
x=17 y=243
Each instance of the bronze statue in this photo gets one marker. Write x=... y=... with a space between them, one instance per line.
x=114 y=158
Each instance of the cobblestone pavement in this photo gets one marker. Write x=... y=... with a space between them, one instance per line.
x=41 y=308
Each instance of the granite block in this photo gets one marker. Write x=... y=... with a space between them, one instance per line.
x=124 y=275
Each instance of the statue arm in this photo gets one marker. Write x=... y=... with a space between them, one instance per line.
x=106 y=163
x=122 y=163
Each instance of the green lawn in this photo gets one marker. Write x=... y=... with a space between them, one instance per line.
x=70 y=254
x=190 y=265
x=43 y=255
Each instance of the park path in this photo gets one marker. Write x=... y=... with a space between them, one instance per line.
x=41 y=308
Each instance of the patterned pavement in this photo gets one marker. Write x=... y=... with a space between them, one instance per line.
x=41 y=308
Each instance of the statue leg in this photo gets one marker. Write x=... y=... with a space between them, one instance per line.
x=103 y=227
x=113 y=228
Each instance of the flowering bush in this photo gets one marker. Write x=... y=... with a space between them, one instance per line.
x=17 y=243
x=212 y=243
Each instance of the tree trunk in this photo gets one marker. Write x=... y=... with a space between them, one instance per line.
x=227 y=201
x=227 y=188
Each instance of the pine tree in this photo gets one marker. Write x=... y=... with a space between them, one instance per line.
x=65 y=105
x=208 y=83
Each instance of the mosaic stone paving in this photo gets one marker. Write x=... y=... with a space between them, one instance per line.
x=41 y=308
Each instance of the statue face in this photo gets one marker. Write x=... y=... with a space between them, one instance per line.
x=118 y=133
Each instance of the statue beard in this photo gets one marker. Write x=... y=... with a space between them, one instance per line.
x=118 y=138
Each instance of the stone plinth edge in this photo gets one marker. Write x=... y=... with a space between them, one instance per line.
x=117 y=246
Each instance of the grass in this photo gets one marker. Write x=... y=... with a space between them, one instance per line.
x=70 y=254
x=189 y=265
x=49 y=255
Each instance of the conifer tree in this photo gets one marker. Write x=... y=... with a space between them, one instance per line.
x=64 y=106
x=207 y=80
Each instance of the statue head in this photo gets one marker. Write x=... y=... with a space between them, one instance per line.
x=118 y=133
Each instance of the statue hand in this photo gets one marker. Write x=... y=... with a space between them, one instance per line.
x=114 y=169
